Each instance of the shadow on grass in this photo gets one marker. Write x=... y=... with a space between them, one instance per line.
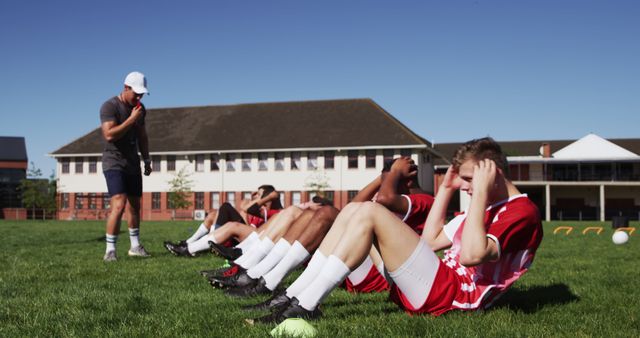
x=536 y=298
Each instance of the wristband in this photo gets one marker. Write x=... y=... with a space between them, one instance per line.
x=147 y=161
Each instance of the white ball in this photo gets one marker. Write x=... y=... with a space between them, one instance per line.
x=620 y=237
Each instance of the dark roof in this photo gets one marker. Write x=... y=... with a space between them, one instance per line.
x=281 y=125
x=13 y=149
x=530 y=148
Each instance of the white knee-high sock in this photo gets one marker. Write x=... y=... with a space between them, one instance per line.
x=332 y=274
x=313 y=269
x=111 y=242
x=134 y=237
x=201 y=231
x=257 y=254
x=250 y=241
x=201 y=244
x=296 y=255
x=270 y=260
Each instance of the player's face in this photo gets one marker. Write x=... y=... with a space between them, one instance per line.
x=465 y=173
x=131 y=97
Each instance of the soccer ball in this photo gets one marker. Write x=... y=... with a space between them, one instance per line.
x=620 y=237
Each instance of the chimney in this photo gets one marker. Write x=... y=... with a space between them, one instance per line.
x=545 y=150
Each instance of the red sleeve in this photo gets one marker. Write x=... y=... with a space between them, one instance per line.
x=418 y=211
x=516 y=227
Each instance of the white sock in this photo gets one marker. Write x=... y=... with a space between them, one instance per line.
x=296 y=255
x=202 y=230
x=332 y=274
x=200 y=245
x=134 y=237
x=268 y=262
x=111 y=242
x=313 y=269
x=248 y=242
x=360 y=273
x=257 y=254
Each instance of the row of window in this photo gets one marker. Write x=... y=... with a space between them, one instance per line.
x=90 y=201
x=246 y=161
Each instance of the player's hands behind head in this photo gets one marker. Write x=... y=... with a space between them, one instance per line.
x=406 y=166
x=485 y=173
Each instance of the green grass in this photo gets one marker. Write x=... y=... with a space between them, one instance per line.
x=53 y=283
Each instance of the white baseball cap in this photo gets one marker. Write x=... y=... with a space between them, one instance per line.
x=137 y=81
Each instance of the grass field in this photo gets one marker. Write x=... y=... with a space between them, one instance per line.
x=53 y=283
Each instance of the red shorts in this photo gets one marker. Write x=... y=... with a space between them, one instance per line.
x=374 y=282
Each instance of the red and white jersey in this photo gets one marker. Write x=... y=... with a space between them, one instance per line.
x=515 y=226
x=419 y=206
x=258 y=221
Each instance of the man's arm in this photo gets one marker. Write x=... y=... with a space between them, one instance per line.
x=113 y=132
x=432 y=233
x=402 y=168
x=476 y=247
x=143 y=144
x=254 y=209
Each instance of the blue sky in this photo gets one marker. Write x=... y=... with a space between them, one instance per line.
x=450 y=70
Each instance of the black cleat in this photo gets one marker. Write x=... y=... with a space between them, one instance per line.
x=257 y=288
x=178 y=249
x=293 y=310
x=224 y=252
x=240 y=279
x=277 y=301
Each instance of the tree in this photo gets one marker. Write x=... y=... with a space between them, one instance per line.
x=179 y=191
x=317 y=183
x=38 y=193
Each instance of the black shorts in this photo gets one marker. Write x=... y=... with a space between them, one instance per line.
x=119 y=182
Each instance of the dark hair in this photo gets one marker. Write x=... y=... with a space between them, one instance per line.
x=480 y=149
x=387 y=165
x=266 y=190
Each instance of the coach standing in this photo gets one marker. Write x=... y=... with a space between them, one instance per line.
x=122 y=121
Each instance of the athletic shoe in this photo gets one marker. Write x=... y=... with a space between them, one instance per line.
x=240 y=279
x=138 y=251
x=224 y=252
x=294 y=310
x=222 y=272
x=178 y=250
x=110 y=256
x=277 y=301
x=257 y=288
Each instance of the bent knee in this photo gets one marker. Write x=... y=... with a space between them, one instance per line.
x=326 y=213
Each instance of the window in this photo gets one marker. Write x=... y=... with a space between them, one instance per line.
x=92 y=201
x=199 y=200
x=246 y=161
x=329 y=157
x=93 y=165
x=231 y=198
x=199 y=163
x=65 y=201
x=65 y=165
x=169 y=202
x=155 y=163
x=231 y=162
x=215 y=200
x=215 y=162
x=328 y=195
x=296 y=162
x=387 y=156
x=312 y=160
x=352 y=159
x=246 y=195
x=405 y=152
x=79 y=165
x=279 y=161
x=156 y=201
x=171 y=163
x=79 y=201
x=106 y=201
x=351 y=194
x=263 y=161
x=296 y=198
x=370 y=158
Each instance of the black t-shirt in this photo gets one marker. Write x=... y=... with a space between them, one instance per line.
x=121 y=154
